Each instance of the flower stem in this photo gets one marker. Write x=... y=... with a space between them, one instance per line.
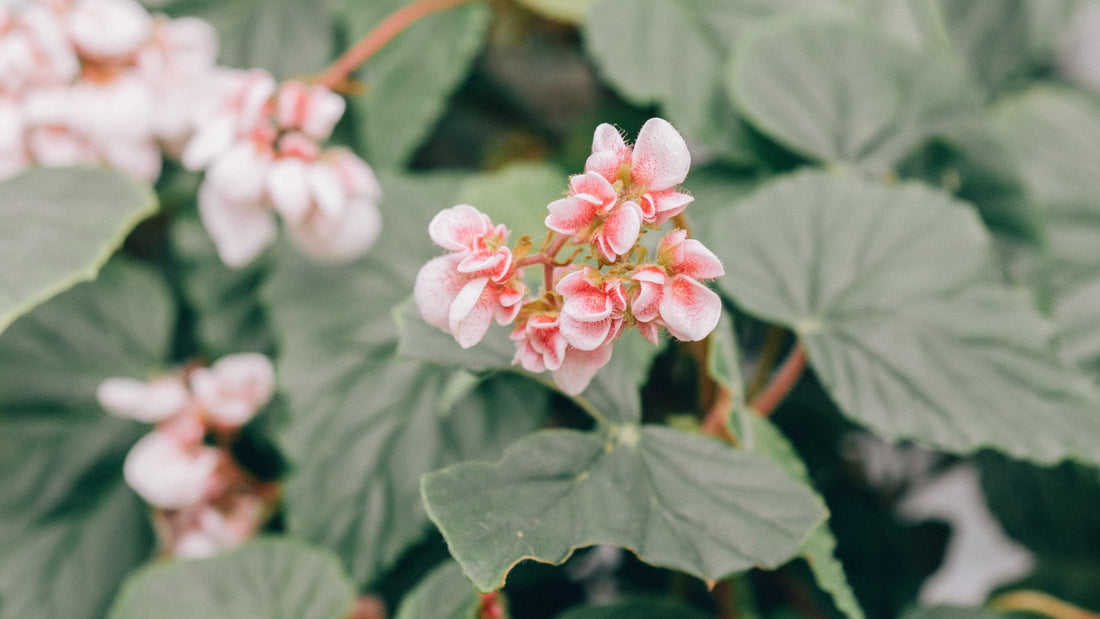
x=781 y=383
x=338 y=73
x=1039 y=603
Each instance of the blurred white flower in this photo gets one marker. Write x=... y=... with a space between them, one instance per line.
x=167 y=474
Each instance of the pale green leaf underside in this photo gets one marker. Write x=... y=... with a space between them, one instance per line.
x=445 y=593
x=264 y=579
x=1056 y=135
x=58 y=227
x=675 y=499
x=891 y=291
x=840 y=92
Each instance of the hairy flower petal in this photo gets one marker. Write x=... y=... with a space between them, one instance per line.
x=620 y=231
x=661 y=159
x=471 y=312
x=689 y=309
x=579 y=367
x=570 y=215
x=458 y=228
x=437 y=284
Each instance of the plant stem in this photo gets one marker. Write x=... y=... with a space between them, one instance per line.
x=769 y=354
x=1039 y=603
x=781 y=383
x=342 y=68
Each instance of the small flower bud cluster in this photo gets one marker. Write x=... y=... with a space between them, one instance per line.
x=606 y=286
x=260 y=144
x=204 y=500
x=97 y=82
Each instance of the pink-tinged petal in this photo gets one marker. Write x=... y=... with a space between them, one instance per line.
x=288 y=188
x=648 y=208
x=570 y=215
x=697 y=262
x=240 y=231
x=323 y=110
x=167 y=474
x=149 y=402
x=459 y=228
x=235 y=388
x=607 y=138
x=579 y=367
x=645 y=304
x=339 y=239
x=582 y=334
x=616 y=294
x=327 y=190
x=471 y=312
x=211 y=139
x=484 y=261
x=621 y=230
x=668 y=250
x=651 y=332
x=689 y=309
x=605 y=163
x=240 y=174
x=587 y=307
x=108 y=29
x=661 y=158
x=667 y=204
x=594 y=189
x=544 y=336
x=512 y=292
x=526 y=355
x=576 y=282
x=437 y=285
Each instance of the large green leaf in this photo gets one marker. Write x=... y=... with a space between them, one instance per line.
x=408 y=82
x=69 y=528
x=839 y=92
x=58 y=227
x=264 y=578
x=675 y=499
x=680 y=65
x=382 y=421
x=287 y=37
x=445 y=593
x=1056 y=136
x=892 y=292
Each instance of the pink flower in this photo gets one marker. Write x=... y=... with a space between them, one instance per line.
x=593 y=213
x=149 y=402
x=233 y=204
x=540 y=346
x=108 y=29
x=235 y=104
x=462 y=291
x=329 y=202
x=669 y=293
x=649 y=172
x=592 y=308
x=234 y=389
x=313 y=110
x=167 y=474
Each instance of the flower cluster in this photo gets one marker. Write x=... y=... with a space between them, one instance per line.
x=606 y=286
x=204 y=500
x=97 y=82
x=260 y=144
x=104 y=82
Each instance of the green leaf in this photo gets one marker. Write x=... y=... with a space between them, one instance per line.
x=679 y=67
x=840 y=92
x=409 y=81
x=228 y=316
x=69 y=527
x=650 y=607
x=1055 y=134
x=820 y=547
x=286 y=37
x=516 y=196
x=892 y=292
x=58 y=227
x=950 y=612
x=445 y=593
x=263 y=578
x=675 y=499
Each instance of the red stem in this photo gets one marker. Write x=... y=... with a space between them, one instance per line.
x=342 y=68
x=781 y=384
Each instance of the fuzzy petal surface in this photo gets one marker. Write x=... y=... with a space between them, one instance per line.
x=620 y=231
x=661 y=158
x=437 y=284
x=578 y=368
x=458 y=228
x=689 y=309
x=471 y=312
